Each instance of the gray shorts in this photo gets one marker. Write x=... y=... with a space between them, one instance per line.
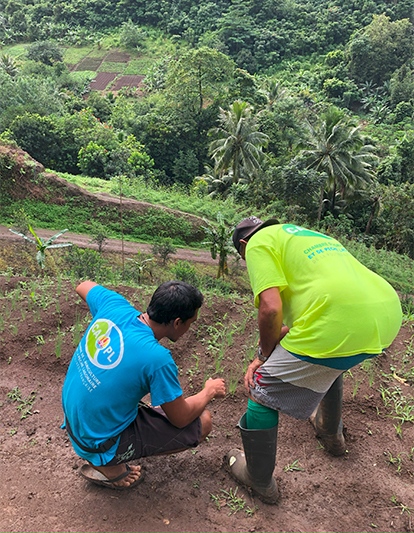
x=152 y=433
x=292 y=386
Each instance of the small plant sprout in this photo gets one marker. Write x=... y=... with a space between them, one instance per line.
x=40 y=340
x=24 y=405
x=400 y=505
x=58 y=343
x=233 y=382
x=42 y=244
x=402 y=406
x=229 y=498
x=396 y=461
x=293 y=467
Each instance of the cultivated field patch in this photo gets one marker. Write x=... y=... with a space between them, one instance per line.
x=89 y=63
x=102 y=80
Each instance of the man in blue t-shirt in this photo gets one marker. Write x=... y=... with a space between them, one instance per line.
x=119 y=361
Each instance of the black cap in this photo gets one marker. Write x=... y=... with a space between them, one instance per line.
x=248 y=227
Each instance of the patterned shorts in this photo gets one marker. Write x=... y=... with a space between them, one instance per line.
x=290 y=385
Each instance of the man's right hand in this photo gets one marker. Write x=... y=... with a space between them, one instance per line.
x=215 y=388
x=183 y=411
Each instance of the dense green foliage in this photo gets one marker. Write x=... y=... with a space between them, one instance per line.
x=257 y=34
x=301 y=110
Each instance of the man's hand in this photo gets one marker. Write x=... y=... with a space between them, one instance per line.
x=183 y=411
x=248 y=378
x=216 y=388
x=284 y=331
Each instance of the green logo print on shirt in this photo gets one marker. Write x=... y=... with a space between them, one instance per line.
x=104 y=344
x=303 y=232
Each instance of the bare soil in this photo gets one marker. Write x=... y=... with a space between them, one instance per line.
x=41 y=487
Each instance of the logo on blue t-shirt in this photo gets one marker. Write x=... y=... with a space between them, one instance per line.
x=104 y=344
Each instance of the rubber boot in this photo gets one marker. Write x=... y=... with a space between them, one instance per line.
x=327 y=419
x=254 y=467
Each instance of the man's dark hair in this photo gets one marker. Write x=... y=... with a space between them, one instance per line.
x=174 y=299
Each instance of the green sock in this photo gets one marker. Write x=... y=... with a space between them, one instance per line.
x=260 y=417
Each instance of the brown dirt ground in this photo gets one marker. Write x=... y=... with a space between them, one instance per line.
x=41 y=488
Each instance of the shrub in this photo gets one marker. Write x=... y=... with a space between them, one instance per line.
x=163 y=249
x=93 y=159
x=46 y=52
x=85 y=263
x=185 y=271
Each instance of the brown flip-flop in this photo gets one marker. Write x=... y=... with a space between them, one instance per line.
x=96 y=477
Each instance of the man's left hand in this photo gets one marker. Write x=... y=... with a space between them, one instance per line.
x=248 y=378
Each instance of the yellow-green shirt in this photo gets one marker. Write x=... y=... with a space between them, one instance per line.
x=333 y=305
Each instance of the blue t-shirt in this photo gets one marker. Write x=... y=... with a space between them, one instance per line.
x=118 y=361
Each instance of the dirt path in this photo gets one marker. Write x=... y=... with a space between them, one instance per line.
x=112 y=245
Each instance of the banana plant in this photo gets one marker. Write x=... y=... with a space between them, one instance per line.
x=42 y=244
x=219 y=241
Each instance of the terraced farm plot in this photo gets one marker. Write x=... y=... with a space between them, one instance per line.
x=127 y=81
x=102 y=80
x=118 y=57
x=89 y=63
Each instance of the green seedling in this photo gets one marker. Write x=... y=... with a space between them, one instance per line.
x=58 y=343
x=402 y=406
x=396 y=461
x=293 y=467
x=400 y=505
x=233 y=382
x=24 y=405
x=229 y=498
x=40 y=340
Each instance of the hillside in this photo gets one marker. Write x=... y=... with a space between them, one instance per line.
x=23 y=178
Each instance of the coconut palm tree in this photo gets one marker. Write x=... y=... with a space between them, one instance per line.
x=238 y=144
x=273 y=91
x=337 y=147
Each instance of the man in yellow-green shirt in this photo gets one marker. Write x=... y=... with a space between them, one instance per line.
x=320 y=312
